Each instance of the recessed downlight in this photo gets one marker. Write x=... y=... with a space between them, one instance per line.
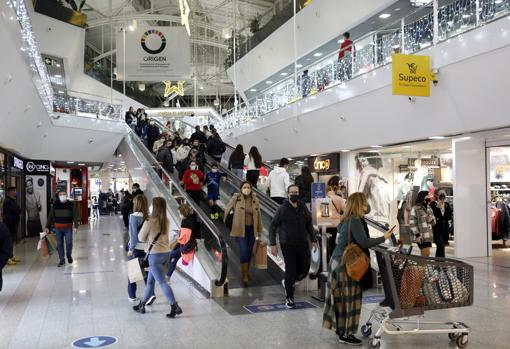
x=317 y=54
x=284 y=74
x=269 y=82
x=253 y=90
x=384 y=15
x=376 y=146
x=437 y=137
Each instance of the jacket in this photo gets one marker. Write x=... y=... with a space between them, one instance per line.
x=278 y=181
x=62 y=215
x=135 y=225
x=182 y=153
x=148 y=235
x=12 y=213
x=5 y=244
x=153 y=133
x=336 y=207
x=235 y=164
x=250 y=163
x=185 y=236
x=294 y=225
x=166 y=159
x=305 y=193
x=238 y=204
x=420 y=223
x=215 y=147
x=193 y=179
x=157 y=144
x=202 y=139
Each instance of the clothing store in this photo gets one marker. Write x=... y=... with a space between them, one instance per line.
x=499 y=159
x=12 y=175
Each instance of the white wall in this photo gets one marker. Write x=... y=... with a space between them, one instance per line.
x=67 y=41
x=472 y=94
x=470 y=198
x=317 y=24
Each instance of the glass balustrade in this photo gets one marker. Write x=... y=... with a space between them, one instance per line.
x=409 y=35
x=63 y=103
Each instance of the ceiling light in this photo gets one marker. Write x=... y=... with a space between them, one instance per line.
x=131 y=28
x=384 y=15
x=437 y=137
x=253 y=90
x=397 y=9
x=376 y=146
x=345 y=150
x=269 y=82
x=70 y=162
x=299 y=66
x=466 y=16
x=284 y=74
x=81 y=164
x=315 y=154
x=61 y=92
x=317 y=54
x=201 y=87
x=290 y=159
x=498 y=1
x=58 y=65
x=58 y=76
x=406 y=147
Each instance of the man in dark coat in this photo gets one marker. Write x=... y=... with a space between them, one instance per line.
x=5 y=247
x=153 y=134
x=165 y=158
x=200 y=136
x=12 y=213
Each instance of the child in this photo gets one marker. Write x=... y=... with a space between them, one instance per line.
x=193 y=180
x=186 y=242
x=212 y=180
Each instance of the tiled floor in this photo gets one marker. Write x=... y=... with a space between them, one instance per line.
x=43 y=306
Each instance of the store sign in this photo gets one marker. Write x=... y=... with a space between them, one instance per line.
x=432 y=162
x=37 y=167
x=153 y=54
x=17 y=163
x=411 y=75
x=324 y=164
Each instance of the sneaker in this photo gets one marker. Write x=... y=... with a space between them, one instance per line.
x=290 y=303
x=151 y=300
x=350 y=340
x=212 y=215
x=216 y=216
x=61 y=264
x=70 y=260
x=132 y=299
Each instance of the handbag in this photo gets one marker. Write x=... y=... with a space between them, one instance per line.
x=145 y=261
x=134 y=270
x=260 y=255
x=229 y=221
x=355 y=260
x=412 y=280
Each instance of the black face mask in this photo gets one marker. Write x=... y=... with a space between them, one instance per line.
x=442 y=197
x=294 y=198
x=367 y=211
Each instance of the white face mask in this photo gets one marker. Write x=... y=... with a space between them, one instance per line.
x=194 y=168
x=62 y=198
x=246 y=191
x=214 y=170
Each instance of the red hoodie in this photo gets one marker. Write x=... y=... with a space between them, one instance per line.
x=193 y=179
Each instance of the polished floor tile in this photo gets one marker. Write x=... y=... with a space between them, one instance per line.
x=43 y=306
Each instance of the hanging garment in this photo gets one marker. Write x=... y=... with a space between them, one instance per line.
x=495 y=223
x=504 y=220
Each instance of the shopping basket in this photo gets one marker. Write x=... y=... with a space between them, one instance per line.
x=414 y=285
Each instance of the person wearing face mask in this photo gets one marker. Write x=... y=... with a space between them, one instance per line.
x=336 y=210
x=181 y=153
x=343 y=294
x=193 y=180
x=443 y=214
x=278 y=181
x=246 y=224
x=293 y=222
x=199 y=137
x=64 y=218
x=153 y=134
x=197 y=156
x=213 y=181
x=135 y=190
x=216 y=147
x=165 y=157
x=421 y=222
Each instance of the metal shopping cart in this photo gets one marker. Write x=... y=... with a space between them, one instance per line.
x=415 y=284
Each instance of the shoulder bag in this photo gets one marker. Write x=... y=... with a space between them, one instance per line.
x=145 y=261
x=229 y=221
x=354 y=259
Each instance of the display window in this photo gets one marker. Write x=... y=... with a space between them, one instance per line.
x=499 y=172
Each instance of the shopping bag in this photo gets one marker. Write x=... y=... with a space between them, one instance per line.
x=52 y=240
x=51 y=249
x=260 y=255
x=134 y=270
x=42 y=247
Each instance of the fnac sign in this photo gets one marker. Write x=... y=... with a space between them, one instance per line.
x=411 y=75
x=324 y=164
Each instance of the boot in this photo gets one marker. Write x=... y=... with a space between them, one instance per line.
x=11 y=261
x=140 y=308
x=175 y=310
x=244 y=271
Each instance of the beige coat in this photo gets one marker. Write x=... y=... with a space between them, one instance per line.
x=238 y=204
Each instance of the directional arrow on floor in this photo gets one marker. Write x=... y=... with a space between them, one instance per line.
x=94 y=342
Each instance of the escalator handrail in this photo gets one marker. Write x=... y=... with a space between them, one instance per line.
x=379 y=226
x=198 y=210
x=269 y=204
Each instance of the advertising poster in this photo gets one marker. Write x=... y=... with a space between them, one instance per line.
x=36 y=203
x=153 y=54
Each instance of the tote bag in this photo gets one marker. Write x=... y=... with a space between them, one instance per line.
x=260 y=255
x=134 y=270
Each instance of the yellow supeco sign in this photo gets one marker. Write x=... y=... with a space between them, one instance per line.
x=411 y=75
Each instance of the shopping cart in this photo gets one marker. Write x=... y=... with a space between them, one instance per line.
x=415 y=284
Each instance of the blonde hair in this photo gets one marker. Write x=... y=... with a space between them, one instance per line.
x=159 y=221
x=140 y=205
x=355 y=206
x=185 y=210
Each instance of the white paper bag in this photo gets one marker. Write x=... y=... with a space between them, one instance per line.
x=134 y=270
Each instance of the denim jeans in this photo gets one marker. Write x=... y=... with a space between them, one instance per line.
x=132 y=286
x=238 y=172
x=68 y=235
x=156 y=264
x=246 y=244
x=175 y=255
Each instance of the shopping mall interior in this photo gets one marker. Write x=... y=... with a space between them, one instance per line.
x=254 y=173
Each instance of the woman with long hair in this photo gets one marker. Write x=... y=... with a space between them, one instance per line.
x=421 y=222
x=236 y=161
x=304 y=182
x=343 y=294
x=254 y=162
x=136 y=248
x=336 y=210
x=246 y=224
x=155 y=233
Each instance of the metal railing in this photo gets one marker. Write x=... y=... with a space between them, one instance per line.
x=64 y=103
x=422 y=28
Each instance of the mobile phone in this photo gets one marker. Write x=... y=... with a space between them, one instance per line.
x=394 y=241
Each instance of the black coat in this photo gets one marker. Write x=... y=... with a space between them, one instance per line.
x=305 y=192
x=215 y=147
x=153 y=134
x=202 y=139
x=236 y=164
x=12 y=213
x=5 y=245
x=294 y=225
x=166 y=159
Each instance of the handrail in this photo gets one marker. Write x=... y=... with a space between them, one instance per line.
x=203 y=217
x=377 y=225
x=418 y=33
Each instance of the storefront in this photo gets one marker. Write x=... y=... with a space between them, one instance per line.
x=11 y=175
x=38 y=179
x=499 y=177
